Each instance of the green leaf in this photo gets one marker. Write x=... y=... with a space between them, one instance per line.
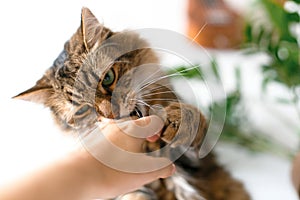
x=237 y=73
x=279 y=18
x=293 y=17
x=296 y=1
x=248 y=33
x=260 y=35
x=187 y=71
x=214 y=67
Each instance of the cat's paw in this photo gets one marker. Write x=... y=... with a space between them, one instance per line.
x=184 y=124
x=172 y=122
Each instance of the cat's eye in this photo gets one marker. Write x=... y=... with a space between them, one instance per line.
x=82 y=110
x=108 y=79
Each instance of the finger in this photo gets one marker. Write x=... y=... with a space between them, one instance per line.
x=162 y=173
x=130 y=135
x=142 y=128
x=153 y=138
x=123 y=157
x=166 y=172
x=133 y=181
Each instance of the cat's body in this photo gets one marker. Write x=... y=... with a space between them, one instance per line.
x=116 y=75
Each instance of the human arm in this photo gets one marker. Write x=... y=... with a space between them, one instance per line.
x=80 y=176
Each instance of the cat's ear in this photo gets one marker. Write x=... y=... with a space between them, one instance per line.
x=39 y=93
x=92 y=31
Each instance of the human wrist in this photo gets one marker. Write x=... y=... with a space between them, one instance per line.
x=90 y=173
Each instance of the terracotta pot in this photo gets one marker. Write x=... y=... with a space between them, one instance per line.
x=212 y=24
x=296 y=173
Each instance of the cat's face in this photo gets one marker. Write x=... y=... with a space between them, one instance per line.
x=99 y=73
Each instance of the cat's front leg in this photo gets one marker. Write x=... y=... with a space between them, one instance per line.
x=184 y=124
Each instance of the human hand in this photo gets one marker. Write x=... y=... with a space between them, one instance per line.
x=81 y=176
x=117 y=146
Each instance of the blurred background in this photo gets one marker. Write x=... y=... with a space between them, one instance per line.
x=251 y=45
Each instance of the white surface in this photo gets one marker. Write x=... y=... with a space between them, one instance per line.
x=264 y=176
x=32 y=35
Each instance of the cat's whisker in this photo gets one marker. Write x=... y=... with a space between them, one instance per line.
x=139 y=101
x=154 y=81
x=137 y=112
x=151 y=90
x=155 y=93
x=144 y=85
x=200 y=30
x=154 y=89
x=178 y=73
x=160 y=99
x=147 y=78
x=122 y=61
x=142 y=104
x=145 y=104
x=144 y=101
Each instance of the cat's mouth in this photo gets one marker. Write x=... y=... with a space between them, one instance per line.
x=136 y=113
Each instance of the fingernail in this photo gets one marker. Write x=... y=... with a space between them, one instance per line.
x=173 y=169
x=153 y=138
x=170 y=173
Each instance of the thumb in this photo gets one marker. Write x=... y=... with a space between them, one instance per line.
x=166 y=172
x=143 y=127
x=161 y=173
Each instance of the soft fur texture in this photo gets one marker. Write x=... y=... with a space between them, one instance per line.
x=116 y=75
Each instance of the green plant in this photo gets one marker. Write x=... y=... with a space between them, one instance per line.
x=275 y=37
x=237 y=128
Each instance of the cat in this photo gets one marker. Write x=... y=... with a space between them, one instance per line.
x=101 y=73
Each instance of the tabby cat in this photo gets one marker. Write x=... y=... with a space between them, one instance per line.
x=97 y=74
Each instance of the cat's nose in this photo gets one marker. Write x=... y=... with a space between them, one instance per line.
x=105 y=109
x=110 y=116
